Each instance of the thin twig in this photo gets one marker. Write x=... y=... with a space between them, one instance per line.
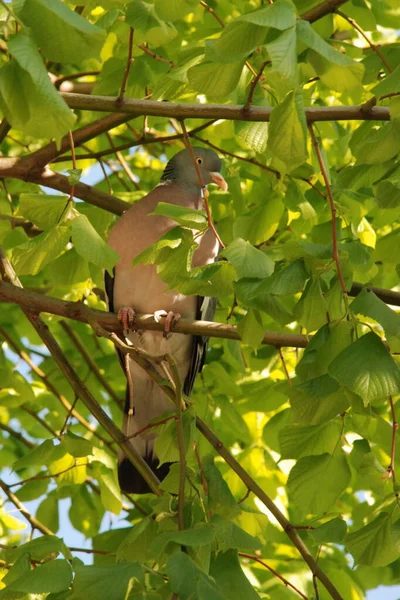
x=278 y=575
x=129 y=62
x=335 y=252
x=18 y=436
x=201 y=182
x=67 y=418
x=123 y=163
x=284 y=365
x=390 y=470
x=35 y=523
x=203 y=477
x=47 y=476
x=361 y=31
x=147 y=50
x=253 y=85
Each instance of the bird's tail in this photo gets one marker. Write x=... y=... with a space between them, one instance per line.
x=130 y=480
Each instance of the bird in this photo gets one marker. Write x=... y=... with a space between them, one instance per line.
x=139 y=289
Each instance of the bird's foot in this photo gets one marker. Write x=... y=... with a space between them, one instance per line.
x=171 y=319
x=127 y=317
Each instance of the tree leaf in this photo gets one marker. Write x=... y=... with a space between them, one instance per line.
x=216 y=80
x=288 y=131
x=332 y=531
x=186 y=217
x=316 y=482
x=310 y=37
x=376 y=544
x=63 y=35
x=239 y=39
x=90 y=246
x=230 y=579
x=296 y=441
x=247 y=260
x=317 y=400
x=251 y=328
x=32 y=256
x=43 y=210
x=280 y=15
x=105 y=581
x=282 y=52
x=27 y=96
x=367 y=369
x=311 y=310
x=54 y=576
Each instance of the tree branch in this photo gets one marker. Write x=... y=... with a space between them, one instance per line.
x=80 y=312
x=325 y=8
x=234 y=112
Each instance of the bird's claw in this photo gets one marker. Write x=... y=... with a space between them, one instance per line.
x=171 y=319
x=127 y=317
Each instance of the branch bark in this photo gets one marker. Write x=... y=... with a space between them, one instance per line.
x=78 y=311
x=234 y=112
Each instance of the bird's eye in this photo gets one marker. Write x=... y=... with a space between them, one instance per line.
x=199 y=160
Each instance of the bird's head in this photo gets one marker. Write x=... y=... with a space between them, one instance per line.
x=180 y=169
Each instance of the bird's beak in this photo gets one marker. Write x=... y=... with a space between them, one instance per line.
x=219 y=181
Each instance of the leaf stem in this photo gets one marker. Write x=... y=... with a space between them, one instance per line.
x=129 y=62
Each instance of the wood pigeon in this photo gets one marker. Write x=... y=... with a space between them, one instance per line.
x=139 y=288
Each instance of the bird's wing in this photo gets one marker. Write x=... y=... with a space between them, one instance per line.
x=109 y=291
x=205 y=312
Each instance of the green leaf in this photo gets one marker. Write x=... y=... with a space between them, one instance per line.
x=62 y=34
x=296 y=441
x=238 y=40
x=42 y=455
x=251 y=328
x=289 y=280
x=47 y=512
x=46 y=546
x=389 y=85
x=254 y=135
x=54 y=576
x=171 y=240
x=282 y=52
x=137 y=544
x=175 y=9
x=32 y=256
x=110 y=492
x=220 y=498
x=316 y=482
x=247 y=260
x=288 y=131
x=230 y=579
x=335 y=76
x=367 y=369
x=310 y=37
x=14 y=389
x=311 y=310
x=186 y=217
x=27 y=97
x=387 y=193
x=260 y=224
x=105 y=581
x=317 y=400
x=166 y=444
x=77 y=446
x=201 y=536
x=184 y=575
x=74 y=176
x=280 y=15
x=229 y=535
x=369 y=305
x=376 y=544
x=216 y=80
x=43 y=210
x=332 y=531
x=90 y=246
x=380 y=144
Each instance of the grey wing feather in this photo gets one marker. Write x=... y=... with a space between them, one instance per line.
x=205 y=312
x=109 y=290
